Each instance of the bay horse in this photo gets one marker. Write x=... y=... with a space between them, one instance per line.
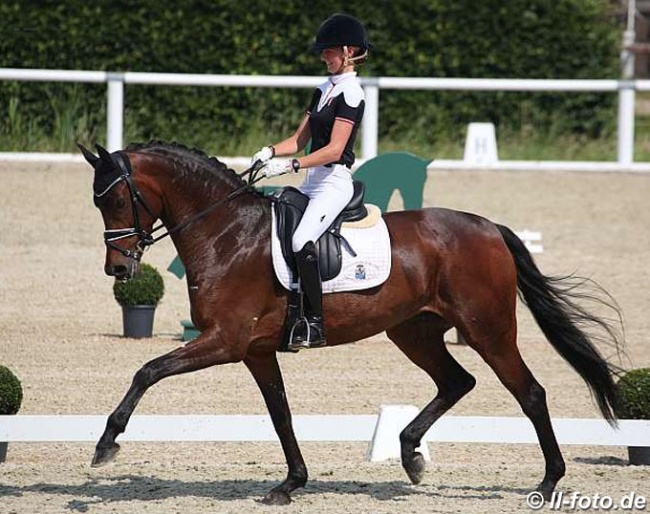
x=449 y=269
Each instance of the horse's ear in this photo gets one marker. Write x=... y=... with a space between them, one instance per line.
x=88 y=155
x=103 y=154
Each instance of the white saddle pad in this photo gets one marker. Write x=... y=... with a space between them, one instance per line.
x=369 y=268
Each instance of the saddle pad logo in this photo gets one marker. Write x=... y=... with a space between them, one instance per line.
x=360 y=272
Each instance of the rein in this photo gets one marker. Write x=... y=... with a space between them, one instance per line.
x=253 y=171
x=146 y=239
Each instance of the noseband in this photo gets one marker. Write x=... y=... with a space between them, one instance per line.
x=146 y=239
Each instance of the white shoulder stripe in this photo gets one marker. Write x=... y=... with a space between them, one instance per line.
x=353 y=95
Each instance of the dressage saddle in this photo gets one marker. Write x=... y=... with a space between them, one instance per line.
x=290 y=204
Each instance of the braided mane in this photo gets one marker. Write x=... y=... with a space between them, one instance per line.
x=183 y=152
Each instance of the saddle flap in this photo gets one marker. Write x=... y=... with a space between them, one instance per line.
x=290 y=205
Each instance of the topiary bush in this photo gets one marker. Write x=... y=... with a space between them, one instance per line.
x=146 y=288
x=633 y=392
x=11 y=392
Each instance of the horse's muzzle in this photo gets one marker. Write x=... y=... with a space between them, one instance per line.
x=121 y=271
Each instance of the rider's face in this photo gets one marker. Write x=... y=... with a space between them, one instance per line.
x=333 y=59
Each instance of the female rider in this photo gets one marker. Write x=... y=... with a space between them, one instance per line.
x=331 y=122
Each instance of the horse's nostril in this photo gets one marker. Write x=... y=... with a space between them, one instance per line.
x=119 y=271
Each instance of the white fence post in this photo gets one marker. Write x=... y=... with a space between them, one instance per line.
x=115 y=112
x=626 y=93
x=370 y=123
x=625 y=146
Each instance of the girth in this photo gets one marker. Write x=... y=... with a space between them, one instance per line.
x=290 y=204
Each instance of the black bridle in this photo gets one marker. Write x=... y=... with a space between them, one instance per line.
x=145 y=238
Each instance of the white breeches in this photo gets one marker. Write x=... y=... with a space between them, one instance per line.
x=329 y=191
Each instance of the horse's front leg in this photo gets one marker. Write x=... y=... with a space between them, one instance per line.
x=206 y=350
x=267 y=374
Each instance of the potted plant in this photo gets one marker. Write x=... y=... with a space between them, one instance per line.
x=139 y=297
x=633 y=402
x=11 y=397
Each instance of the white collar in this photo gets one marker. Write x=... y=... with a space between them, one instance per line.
x=337 y=79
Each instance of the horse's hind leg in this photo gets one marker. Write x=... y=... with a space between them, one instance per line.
x=504 y=358
x=422 y=342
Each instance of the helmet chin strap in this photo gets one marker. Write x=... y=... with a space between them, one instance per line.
x=351 y=61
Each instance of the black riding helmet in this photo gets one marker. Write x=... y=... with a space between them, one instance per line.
x=340 y=30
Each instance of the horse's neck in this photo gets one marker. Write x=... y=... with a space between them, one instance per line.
x=219 y=222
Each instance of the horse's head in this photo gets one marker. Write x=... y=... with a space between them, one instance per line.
x=128 y=215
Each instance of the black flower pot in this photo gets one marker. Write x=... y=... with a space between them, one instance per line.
x=639 y=455
x=3 y=451
x=138 y=320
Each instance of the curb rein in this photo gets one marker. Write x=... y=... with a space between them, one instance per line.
x=146 y=239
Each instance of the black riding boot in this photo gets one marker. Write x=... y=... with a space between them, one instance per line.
x=309 y=332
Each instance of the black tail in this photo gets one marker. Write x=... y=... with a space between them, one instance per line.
x=553 y=303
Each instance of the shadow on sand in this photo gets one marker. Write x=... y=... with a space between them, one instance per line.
x=126 y=488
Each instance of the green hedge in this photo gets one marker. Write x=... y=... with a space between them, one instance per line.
x=145 y=288
x=633 y=394
x=11 y=392
x=416 y=38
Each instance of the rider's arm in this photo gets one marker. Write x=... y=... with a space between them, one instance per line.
x=331 y=152
x=296 y=142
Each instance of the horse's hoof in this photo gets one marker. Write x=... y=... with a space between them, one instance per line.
x=104 y=455
x=277 y=498
x=546 y=493
x=415 y=468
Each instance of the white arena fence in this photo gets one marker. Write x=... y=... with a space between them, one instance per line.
x=116 y=81
x=381 y=431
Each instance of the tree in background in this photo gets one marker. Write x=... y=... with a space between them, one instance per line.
x=567 y=39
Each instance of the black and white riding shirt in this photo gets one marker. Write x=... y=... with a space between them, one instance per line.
x=339 y=98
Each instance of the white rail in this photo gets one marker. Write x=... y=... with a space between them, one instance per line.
x=116 y=80
x=467 y=429
x=382 y=431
